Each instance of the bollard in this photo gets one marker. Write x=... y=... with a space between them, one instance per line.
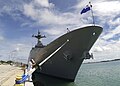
x=18 y=78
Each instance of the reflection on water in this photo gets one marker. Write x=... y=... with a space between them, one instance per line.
x=97 y=74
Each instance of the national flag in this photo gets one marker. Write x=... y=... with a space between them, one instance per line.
x=87 y=8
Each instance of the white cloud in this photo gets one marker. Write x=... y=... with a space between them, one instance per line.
x=107 y=7
x=81 y=4
x=51 y=16
x=29 y=11
x=1 y=38
x=104 y=45
x=54 y=32
x=112 y=33
x=115 y=22
x=43 y=3
x=14 y=52
x=17 y=50
x=12 y=8
x=48 y=17
x=98 y=49
x=105 y=50
x=1 y=31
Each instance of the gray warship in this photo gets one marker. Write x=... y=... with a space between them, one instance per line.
x=62 y=58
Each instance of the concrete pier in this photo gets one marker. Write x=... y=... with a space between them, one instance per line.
x=8 y=74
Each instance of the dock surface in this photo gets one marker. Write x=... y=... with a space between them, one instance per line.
x=29 y=84
x=8 y=74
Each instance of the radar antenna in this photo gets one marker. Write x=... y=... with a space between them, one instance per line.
x=39 y=36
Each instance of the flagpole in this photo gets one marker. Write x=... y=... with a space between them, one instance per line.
x=92 y=13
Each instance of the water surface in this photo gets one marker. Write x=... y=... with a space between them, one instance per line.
x=95 y=74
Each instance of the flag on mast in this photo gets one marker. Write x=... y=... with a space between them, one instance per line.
x=88 y=8
x=84 y=10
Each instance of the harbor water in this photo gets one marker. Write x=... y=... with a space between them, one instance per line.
x=99 y=74
x=94 y=74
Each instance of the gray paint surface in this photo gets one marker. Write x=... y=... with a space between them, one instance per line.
x=67 y=61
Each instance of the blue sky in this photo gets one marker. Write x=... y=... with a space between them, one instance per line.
x=19 y=19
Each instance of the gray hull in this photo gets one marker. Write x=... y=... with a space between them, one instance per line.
x=67 y=61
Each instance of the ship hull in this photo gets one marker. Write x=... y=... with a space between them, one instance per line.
x=66 y=62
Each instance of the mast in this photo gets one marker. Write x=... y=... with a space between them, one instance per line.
x=92 y=13
x=38 y=37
